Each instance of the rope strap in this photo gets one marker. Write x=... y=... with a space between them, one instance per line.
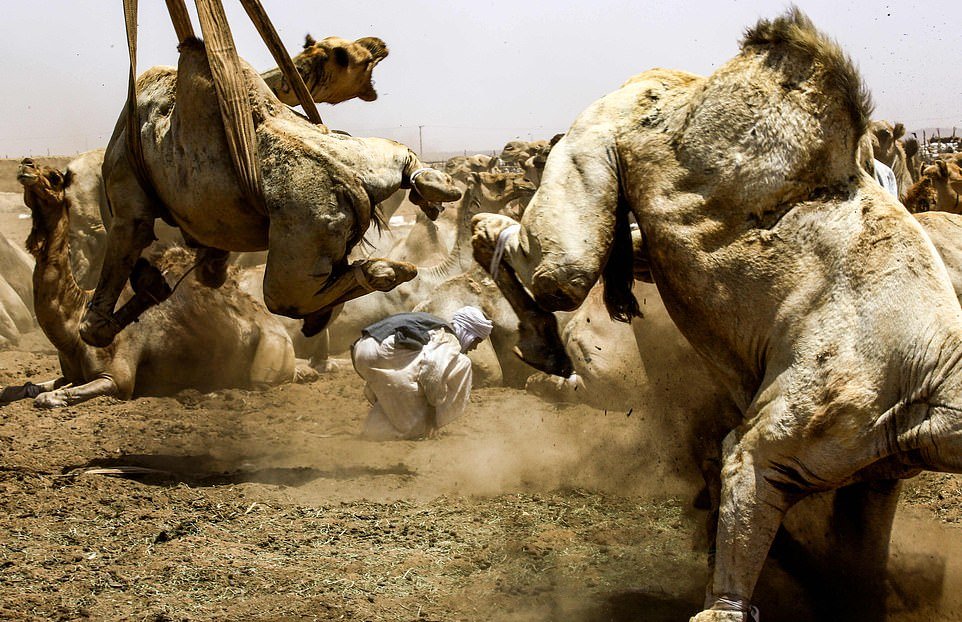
x=741 y=605
x=423 y=169
x=499 y=248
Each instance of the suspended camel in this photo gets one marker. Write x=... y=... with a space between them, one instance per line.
x=319 y=189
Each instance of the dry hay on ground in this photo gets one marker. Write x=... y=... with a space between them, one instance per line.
x=268 y=506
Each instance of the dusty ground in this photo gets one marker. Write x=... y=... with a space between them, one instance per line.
x=267 y=506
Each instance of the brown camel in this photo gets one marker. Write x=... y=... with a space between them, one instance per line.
x=318 y=191
x=937 y=189
x=781 y=261
x=202 y=338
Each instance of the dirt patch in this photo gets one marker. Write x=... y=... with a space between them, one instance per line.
x=267 y=506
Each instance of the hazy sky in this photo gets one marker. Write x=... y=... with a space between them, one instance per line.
x=474 y=74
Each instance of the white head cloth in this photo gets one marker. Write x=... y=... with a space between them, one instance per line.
x=469 y=324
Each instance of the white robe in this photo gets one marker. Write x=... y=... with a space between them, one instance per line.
x=885 y=176
x=412 y=392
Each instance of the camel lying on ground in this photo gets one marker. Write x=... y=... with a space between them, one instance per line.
x=318 y=192
x=937 y=189
x=201 y=338
x=781 y=261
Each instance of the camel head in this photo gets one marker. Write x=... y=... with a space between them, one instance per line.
x=534 y=166
x=461 y=167
x=336 y=70
x=938 y=189
x=494 y=192
x=430 y=188
x=44 y=193
x=885 y=141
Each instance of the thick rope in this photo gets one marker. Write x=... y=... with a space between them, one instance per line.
x=181 y=19
x=234 y=100
x=499 y=247
x=135 y=148
x=266 y=29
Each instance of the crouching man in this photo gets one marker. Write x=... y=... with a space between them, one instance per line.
x=418 y=378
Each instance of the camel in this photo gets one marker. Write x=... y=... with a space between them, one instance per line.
x=781 y=261
x=16 y=266
x=889 y=150
x=485 y=193
x=318 y=191
x=202 y=338
x=334 y=70
x=913 y=157
x=937 y=189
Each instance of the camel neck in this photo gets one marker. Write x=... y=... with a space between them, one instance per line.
x=460 y=255
x=58 y=300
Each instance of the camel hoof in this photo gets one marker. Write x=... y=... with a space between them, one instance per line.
x=326 y=366
x=304 y=374
x=212 y=274
x=711 y=615
x=97 y=332
x=50 y=399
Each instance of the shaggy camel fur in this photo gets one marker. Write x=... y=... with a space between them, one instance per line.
x=937 y=189
x=202 y=338
x=318 y=193
x=751 y=199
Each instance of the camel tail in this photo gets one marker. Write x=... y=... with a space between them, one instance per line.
x=618 y=273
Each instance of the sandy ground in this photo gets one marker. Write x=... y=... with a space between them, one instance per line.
x=268 y=506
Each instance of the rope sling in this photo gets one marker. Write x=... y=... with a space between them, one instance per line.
x=232 y=95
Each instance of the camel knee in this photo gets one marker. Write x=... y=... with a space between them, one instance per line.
x=561 y=288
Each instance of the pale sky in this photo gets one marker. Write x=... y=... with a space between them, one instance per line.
x=473 y=74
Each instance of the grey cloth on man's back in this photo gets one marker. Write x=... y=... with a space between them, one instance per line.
x=410 y=330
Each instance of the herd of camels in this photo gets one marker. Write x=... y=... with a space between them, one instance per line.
x=716 y=245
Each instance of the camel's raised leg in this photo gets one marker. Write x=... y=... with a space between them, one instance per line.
x=363 y=277
x=126 y=240
x=539 y=343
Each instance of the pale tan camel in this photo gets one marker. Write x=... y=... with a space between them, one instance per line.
x=202 y=338
x=889 y=150
x=781 y=261
x=937 y=189
x=485 y=193
x=318 y=193
x=334 y=70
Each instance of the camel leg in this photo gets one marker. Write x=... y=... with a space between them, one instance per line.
x=368 y=275
x=273 y=361
x=74 y=395
x=31 y=390
x=127 y=239
x=212 y=266
x=539 y=342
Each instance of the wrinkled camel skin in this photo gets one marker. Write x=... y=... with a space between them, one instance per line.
x=748 y=191
x=202 y=338
x=318 y=191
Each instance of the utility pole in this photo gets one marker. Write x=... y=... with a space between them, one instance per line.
x=421 y=141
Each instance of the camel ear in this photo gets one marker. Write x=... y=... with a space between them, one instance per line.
x=308 y=41
x=898 y=131
x=911 y=147
x=943 y=169
x=341 y=57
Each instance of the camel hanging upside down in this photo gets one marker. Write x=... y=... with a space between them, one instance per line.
x=202 y=338
x=319 y=191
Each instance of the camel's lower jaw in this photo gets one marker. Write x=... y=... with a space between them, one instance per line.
x=27 y=179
